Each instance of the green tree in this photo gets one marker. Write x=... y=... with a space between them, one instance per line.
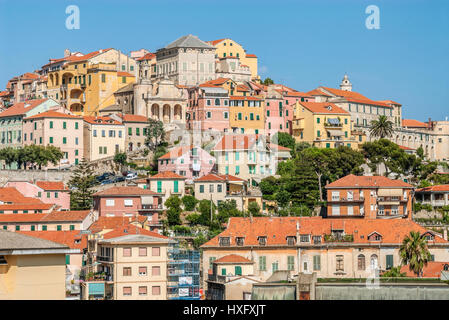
x=189 y=202
x=155 y=134
x=81 y=184
x=193 y=218
x=284 y=139
x=254 y=209
x=268 y=81
x=283 y=198
x=173 y=204
x=394 y=272
x=227 y=209
x=414 y=252
x=269 y=186
x=199 y=241
x=382 y=127
x=300 y=146
x=120 y=159
x=207 y=212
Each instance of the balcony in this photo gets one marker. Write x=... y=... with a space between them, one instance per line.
x=150 y=207
x=216 y=278
x=331 y=125
x=104 y=259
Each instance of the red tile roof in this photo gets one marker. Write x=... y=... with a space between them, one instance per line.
x=176 y=152
x=133 y=118
x=276 y=229
x=367 y=182
x=148 y=56
x=218 y=177
x=90 y=55
x=101 y=120
x=317 y=92
x=21 y=108
x=214 y=42
x=53 y=114
x=431 y=270
x=242 y=87
x=278 y=147
x=390 y=102
x=67 y=215
x=344 y=93
x=131 y=229
x=73 y=239
x=251 y=55
x=104 y=223
x=232 y=258
x=405 y=148
x=411 y=123
x=51 y=185
x=124 y=192
x=166 y=175
x=55 y=216
x=26 y=206
x=31 y=217
x=323 y=107
x=11 y=194
x=438 y=188
x=124 y=74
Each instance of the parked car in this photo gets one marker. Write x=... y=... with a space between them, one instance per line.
x=104 y=176
x=131 y=175
x=119 y=179
x=107 y=181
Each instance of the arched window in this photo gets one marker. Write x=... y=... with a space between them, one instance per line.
x=373 y=263
x=361 y=262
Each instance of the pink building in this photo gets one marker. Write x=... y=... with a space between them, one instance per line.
x=50 y=192
x=187 y=161
x=129 y=202
x=208 y=108
x=58 y=129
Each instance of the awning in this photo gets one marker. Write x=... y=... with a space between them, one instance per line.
x=336 y=133
x=334 y=121
x=389 y=193
x=147 y=200
x=389 y=203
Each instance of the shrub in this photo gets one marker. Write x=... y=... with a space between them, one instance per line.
x=189 y=202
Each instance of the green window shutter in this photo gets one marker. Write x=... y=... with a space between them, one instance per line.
x=76 y=125
x=40 y=140
x=262 y=263
x=123 y=79
x=176 y=185
x=317 y=120
x=64 y=140
x=328 y=145
x=318 y=133
x=237 y=155
x=67 y=259
x=227 y=170
x=237 y=169
x=51 y=124
x=72 y=227
x=58 y=227
x=159 y=186
x=316 y=263
x=137 y=132
x=33 y=228
x=64 y=125
x=268 y=113
x=346 y=134
x=5 y=227
x=432 y=257
x=223 y=271
x=44 y=228
x=76 y=152
x=35 y=125
x=56 y=194
x=389 y=264
x=39 y=194
x=201 y=188
x=290 y=262
x=76 y=161
x=17 y=228
x=346 y=121
x=48 y=194
x=238 y=270
x=51 y=139
x=130 y=131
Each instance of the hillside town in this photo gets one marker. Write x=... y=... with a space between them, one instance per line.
x=181 y=174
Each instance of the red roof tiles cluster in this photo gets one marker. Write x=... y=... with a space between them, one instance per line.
x=218 y=177
x=75 y=216
x=353 y=181
x=323 y=107
x=101 y=120
x=133 y=118
x=236 y=142
x=431 y=270
x=104 y=223
x=148 y=56
x=21 y=108
x=52 y=185
x=411 y=123
x=166 y=175
x=53 y=114
x=176 y=152
x=126 y=230
x=232 y=258
x=73 y=239
x=438 y=188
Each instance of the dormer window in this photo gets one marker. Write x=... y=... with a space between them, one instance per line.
x=224 y=241
x=374 y=237
x=240 y=241
x=291 y=240
x=316 y=239
x=262 y=241
x=429 y=236
x=304 y=238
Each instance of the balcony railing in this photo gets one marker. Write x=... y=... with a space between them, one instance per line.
x=150 y=207
x=104 y=259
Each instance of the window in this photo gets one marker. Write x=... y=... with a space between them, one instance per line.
x=361 y=262
x=275 y=266
x=103 y=133
x=156 y=251
x=219 y=188
x=211 y=188
x=127 y=291
x=128 y=202
x=239 y=241
x=64 y=140
x=339 y=266
x=290 y=262
x=127 y=252
x=44 y=228
x=59 y=227
x=389 y=262
x=304 y=238
x=291 y=240
x=316 y=239
x=373 y=263
x=17 y=228
x=262 y=241
x=51 y=139
x=238 y=270
x=95 y=133
x=316 y=263
x=159 y=186
x=126 y=271
x=103 y=78
x=72 y=227
x=335 y=210
x=110 y=202
x=51 y=124
x=155 y=271
x=211 y=260
x=201 y=188
x=33 y=228
x=262 y=263
x=224 y=241
x=142 y=271
x=156 y=290
x=143 y=290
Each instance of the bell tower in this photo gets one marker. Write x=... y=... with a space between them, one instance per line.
x=346 y=85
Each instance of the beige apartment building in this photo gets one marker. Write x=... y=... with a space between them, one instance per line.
x=441 y=132
x=135 y=266
x=103 y=137
x=135 y=130
x=167 y=183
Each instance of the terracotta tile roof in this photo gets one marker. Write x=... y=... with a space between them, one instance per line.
x=370 y=102
x=276 y=229
x=218 y=177
x=5 y=93
x=390 y=102
x=87 y=56
x=53 y=114
x=344 y=93
x=124 y=74
x=176 y=152
x=32 y=217
x=368 y=182
x=131 y=229
x=242 y=87
x=124 y=191
x=29 y=75
x=26 y=206
x=73 y=239
x=278 y=147
x=317 y=92
x=251 y=55
x=148 y=56
x=232 y=258
x=431 y=270
x=67 y=216
x=51 y=185
x=133 y=118
x=236 y=142
x=405 y=148
x=101 y=120
x=11 y=194
x=21 y=108
x=323 y=107
x=166 y=175
x=297 y=94
x=218 y=82
x=411 y=123
x=438 y=188
x=105 y=223
x=214 y=42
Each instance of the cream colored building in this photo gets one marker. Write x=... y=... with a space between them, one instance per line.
x=32 y=268
x=441 y=133
x=167 y=183
x=103 y=137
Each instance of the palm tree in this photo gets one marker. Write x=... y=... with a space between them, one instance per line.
x=414 y=252
x=381 y=127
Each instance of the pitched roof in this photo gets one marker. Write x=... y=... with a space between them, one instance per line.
x=218 y=177
x=278 y=147
x=125 y=192
x=101 y=120
x=12 y=195
x=74 y=58
x=75 y=216
x=189 y=41
x=231 y=259
x=133 y=118
x=21 y=108
x=345 y=93
x=148 y=56
x=131 y=230
x=250 y=55
x=411 y=123
x=390 y=102
x=73 y=239
x=104 y=223
x=167 y=175
x=51 y=185
x=33 y=217
x=26 y=206
x=214 y=42
x=405 y=148
x=276 y=229
x=53 y=114
x=431 y=270
x=317 y=92
x=176 y=152
x=438 y=188
x=323 y=107
x=368 y=182
x=236 y=142
x=15 y=240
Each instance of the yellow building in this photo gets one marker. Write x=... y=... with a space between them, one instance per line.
x=229 y=48
x=247 y=114
x=31 y=268
x=323 y=125
x=86 y=84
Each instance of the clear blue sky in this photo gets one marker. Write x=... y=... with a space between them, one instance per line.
x=302 y=44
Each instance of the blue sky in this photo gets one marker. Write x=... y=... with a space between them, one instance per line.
x=302 y=44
